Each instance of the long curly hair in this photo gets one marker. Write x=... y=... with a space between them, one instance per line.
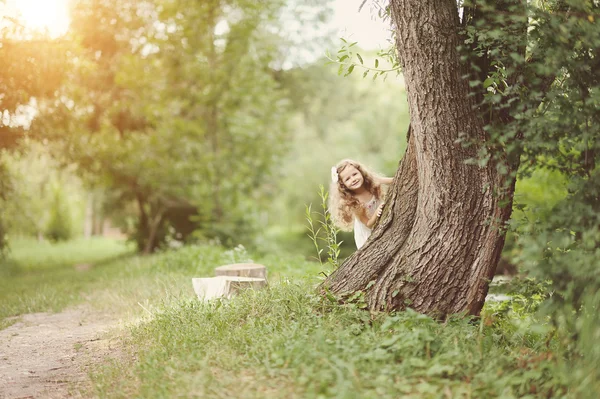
x=343 y=205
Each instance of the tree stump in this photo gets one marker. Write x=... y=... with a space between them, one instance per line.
x=225 y=286
x=242 y=270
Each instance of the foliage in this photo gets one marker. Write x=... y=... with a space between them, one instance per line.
x=537 y=87
x=533 y=74
x=44 y=196
x=384 y=61
x=32 y=67
x=59 y=225
x=193 y=131
x=522 y=298
x=322 y=229
x=348 y=58
x=183 y=119
x=5 y=191
x=3 y=237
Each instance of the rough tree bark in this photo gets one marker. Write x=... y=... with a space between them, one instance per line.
x=440 y=237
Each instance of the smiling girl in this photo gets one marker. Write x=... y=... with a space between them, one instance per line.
x=356 y=198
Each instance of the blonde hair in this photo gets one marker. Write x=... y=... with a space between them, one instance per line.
x=343 y=205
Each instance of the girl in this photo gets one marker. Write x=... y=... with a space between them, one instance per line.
x=356 y=198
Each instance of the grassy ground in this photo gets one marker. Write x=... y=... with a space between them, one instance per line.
x=285 y=341
x=41 y=276
x=107 y=274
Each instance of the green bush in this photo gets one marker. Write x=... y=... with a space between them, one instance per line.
x=562 y=246
x=59 y=225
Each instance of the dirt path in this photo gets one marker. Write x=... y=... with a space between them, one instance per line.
x=47 y=355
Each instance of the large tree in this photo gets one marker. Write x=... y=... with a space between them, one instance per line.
x=472 y=77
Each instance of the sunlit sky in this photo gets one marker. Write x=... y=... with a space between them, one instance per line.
x=50 y=15
x=364 y=26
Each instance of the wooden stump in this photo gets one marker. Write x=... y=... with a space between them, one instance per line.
x=242 y=270
x=224 y=286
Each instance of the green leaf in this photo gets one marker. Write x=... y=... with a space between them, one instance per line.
x=359 y=58
x=390 y=341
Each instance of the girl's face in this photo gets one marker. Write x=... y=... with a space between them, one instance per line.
x=351 y=178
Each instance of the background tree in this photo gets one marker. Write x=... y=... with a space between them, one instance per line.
x=180 y=114
x=46 y=198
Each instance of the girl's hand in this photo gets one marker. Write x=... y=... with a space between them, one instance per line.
x=371 y=222
x=380 y=209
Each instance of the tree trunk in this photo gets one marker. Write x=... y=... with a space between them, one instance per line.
x=151 y=241
x=441 y=234
x=89 y=216
x=144 y=223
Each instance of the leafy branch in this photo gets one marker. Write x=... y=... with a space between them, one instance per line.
x=348 y=59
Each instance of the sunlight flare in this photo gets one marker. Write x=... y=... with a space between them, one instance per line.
x=50 y=15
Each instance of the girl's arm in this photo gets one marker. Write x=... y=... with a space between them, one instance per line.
x=363 y=218
x=386 y=180
x=371 y=222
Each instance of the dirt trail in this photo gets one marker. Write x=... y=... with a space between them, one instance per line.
x=47 y=355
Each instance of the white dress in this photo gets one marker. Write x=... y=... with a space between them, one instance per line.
x=361 y=231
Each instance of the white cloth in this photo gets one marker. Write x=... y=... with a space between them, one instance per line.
x=361 y=232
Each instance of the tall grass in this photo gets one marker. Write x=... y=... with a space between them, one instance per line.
x=289 y=342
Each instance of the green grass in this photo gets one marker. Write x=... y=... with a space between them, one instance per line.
x=285 y=341
x=41 y=276
x=288 y=342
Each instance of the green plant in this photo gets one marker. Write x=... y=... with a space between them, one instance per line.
x=5 y=188
x=59 y=226
x=323 y=230
x=3 y=238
